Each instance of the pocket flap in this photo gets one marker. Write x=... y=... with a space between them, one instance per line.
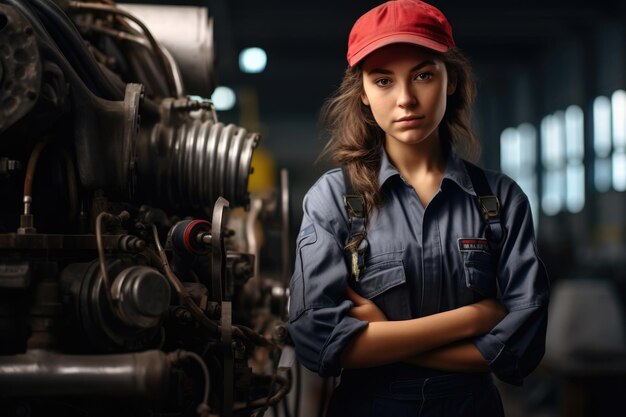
x=381 y=277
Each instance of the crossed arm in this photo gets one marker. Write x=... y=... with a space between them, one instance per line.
x=437 y=341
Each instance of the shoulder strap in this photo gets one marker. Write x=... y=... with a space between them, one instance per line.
x=489 y=204
x=357 y=221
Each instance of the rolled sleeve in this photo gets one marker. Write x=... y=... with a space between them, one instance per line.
x=516 y=345
x=514 y=348
x=319 y=323
x=321 y=334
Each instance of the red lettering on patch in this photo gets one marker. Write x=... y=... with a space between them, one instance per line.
x=468 y=244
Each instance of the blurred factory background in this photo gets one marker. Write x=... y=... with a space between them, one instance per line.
x=551 y=113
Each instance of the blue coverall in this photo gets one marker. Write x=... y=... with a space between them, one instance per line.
x=418 y=262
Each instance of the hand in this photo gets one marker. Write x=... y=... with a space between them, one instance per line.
x=490 y=313
x=364 y=309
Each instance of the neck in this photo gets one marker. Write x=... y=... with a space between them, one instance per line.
x=414 y=160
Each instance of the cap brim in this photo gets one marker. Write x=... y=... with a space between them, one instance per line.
x=396 y=38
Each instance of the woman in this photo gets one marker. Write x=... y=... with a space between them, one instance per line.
x=397 y=273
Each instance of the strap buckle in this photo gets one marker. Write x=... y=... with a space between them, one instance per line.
x=355 y=204
x=490 y=205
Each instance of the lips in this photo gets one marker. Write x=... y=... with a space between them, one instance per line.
x=409 y=118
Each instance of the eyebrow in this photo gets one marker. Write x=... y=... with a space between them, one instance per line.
x=415 y=68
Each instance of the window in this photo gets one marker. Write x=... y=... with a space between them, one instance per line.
x=618 y=104
x=562 y=154
x=553 y=161
x=602 y=143
x=574 y=153
x=518 y=159
x=609 y=142
x=562 y=157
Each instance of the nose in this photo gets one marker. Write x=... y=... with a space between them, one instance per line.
x=406 y=97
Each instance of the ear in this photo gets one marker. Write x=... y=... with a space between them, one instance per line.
x=451 y=86
x=364 y=99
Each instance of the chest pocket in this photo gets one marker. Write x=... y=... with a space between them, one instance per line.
x=480 y=274
x=384 y=282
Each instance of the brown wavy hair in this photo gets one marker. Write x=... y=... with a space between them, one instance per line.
x=356 y=140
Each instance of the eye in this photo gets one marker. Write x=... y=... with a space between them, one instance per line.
x=382 y=82
x=423 y=76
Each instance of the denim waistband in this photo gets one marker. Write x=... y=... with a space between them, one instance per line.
x=418 y=388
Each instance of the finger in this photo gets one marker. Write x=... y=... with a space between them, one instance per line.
x=358 y=313
x=356 y=298
x=353 y=312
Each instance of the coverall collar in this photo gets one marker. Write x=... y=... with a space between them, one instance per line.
x=455 y=171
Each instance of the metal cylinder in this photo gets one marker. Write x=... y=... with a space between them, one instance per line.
x=196 y=162
x=43 y=373
x=142 y=296
x=187 y=33
x=185 y=234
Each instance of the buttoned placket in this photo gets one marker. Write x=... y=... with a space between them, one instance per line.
x=429 y=241
x=433 y=257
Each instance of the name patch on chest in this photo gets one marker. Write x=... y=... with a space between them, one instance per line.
x=471 y=244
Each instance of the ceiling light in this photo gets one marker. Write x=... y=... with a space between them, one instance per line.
x=223 y=98
x=252 y=60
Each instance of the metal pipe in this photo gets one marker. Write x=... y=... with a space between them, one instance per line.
x=75 y=5
x=30 y=174
x=180 y=289
x=44 y=373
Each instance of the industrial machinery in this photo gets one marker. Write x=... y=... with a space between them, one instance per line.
x=120 y=291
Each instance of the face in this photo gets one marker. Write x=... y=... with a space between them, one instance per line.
x=406 y=87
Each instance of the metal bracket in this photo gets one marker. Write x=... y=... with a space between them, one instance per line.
x=217 y=248
x=490 y=205
x=218 y=269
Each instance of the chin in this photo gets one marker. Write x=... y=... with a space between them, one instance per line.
x=411 y=139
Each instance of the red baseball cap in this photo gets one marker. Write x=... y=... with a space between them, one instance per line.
x=399 y=21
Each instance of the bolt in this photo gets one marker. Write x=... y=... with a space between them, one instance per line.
x=205 y=238
x=130 y=243
x=183 y=314
x=139 y=244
